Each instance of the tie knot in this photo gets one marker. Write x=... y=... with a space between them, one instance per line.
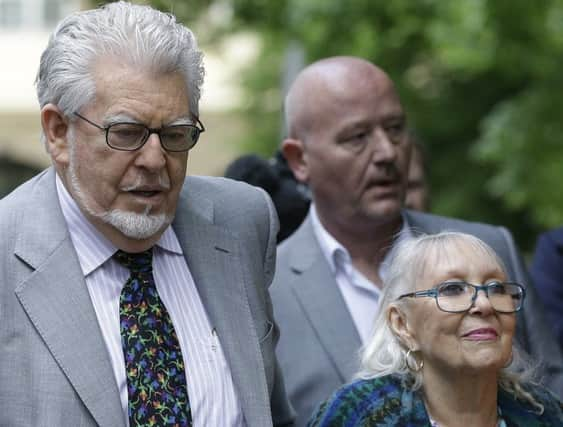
x=136 y=263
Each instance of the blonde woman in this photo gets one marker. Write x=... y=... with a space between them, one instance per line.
x=442 y=346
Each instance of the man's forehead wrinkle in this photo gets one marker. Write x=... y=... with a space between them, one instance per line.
x=347 y=79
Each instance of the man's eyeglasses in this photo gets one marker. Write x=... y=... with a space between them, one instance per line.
x=458 y=296
x=132 y=136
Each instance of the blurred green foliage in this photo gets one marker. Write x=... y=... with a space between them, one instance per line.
x=480 y=80
x=13 y=173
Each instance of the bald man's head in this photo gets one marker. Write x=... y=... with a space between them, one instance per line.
x=347 y=141
x=323 y=82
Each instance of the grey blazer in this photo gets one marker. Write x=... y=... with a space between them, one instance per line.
x=318 y=348
x=54 y=366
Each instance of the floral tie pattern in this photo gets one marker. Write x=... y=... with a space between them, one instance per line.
x=156 y=381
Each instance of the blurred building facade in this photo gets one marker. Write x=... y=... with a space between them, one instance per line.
x=24 y=31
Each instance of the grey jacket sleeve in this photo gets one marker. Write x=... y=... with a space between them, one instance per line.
x=282 y=414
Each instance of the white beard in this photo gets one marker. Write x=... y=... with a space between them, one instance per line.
x=134 y=225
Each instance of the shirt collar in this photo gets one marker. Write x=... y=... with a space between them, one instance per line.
x=92 y=247
x=337 y=255
x=330 y=247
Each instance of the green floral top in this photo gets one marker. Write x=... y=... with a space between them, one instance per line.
x=389 y=401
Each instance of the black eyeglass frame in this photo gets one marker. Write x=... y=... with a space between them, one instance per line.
x=485 y=288
x=106 y=129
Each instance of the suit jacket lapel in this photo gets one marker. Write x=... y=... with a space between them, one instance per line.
x=317 y=291
x=421 y=223
x=58 y=304
x=213 y=257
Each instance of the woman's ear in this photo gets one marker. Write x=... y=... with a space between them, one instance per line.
x=55 y=128
x=294 y=152
x=397 y=320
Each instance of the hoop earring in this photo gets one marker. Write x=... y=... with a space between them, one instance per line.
x=411 y=362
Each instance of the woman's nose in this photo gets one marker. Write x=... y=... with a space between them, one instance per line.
x=482 y=303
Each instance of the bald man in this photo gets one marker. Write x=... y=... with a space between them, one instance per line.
x=347 y=140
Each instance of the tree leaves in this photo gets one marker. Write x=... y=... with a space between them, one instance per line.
x=481 y=82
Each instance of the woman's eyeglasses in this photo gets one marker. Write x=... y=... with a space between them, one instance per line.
x=459 y=296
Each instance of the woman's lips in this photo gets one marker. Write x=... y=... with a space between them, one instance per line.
x=481 y=334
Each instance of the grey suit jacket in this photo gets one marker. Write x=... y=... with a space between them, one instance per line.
x=54 y=366
x=318 y=348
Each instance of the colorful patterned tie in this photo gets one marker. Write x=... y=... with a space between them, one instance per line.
x=156 y=382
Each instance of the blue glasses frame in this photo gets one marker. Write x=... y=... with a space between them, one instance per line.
x=435 y=293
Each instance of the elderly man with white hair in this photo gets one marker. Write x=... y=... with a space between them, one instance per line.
x=130 y=295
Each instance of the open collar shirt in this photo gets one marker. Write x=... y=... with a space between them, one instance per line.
x=212 y=395
x=359 y=293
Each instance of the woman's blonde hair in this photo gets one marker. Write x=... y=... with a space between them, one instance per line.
x=385 y=354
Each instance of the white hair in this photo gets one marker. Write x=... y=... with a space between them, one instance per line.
x=134 y=225
x=137 y=35
x=385 y=354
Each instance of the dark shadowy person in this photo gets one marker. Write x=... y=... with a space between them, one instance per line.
x=290 y=197
x=418 y=189
x=254 y=170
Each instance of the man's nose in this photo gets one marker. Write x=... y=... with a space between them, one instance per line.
x=151 y=155
x=384 y=148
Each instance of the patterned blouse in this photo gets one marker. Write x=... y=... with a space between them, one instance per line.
x=389 y=401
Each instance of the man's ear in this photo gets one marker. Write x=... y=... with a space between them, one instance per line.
x=294 y=153
x=55 y=128
x=398 y=322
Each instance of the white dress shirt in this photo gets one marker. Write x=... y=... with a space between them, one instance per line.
x=359 y=293
x=212 y=395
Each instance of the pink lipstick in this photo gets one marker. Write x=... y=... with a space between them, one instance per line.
x=481 y=334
